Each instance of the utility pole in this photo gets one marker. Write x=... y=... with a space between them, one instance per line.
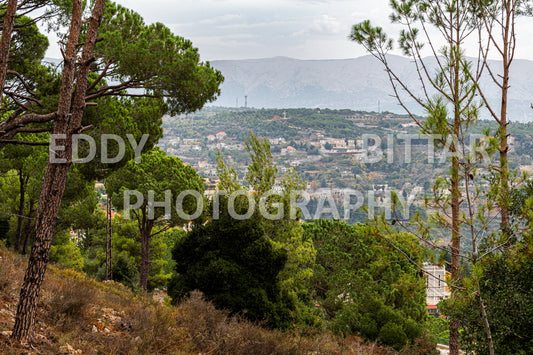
x=108 y=250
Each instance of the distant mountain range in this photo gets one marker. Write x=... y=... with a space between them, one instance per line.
x=358 y=84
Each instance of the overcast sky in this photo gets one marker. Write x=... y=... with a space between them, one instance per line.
x=303 y=29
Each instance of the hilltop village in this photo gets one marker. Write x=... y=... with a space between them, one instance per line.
x=332 y=150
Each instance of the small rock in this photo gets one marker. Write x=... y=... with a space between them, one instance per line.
x=40 y=338
x=66 y=349
x=137 y=339
x=107 y=330
x=7 y=312
x=94 y=330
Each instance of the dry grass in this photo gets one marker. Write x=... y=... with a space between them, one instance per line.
x=106 y=318
x=11 y=274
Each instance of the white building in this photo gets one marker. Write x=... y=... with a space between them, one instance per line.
x=436 y=287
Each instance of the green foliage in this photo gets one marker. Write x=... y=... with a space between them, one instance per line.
x=169 y=240
x=262 y=172
x=28 y=45
x=23 y=168
x=505 y=284
x=521 y=201
x=125 y=271
x=227 y=176
x=439 y=328
x=371 y=38
x=236 y=266
x=156 y=172
x=78 y=203
x=123 y=116
x=393 y=334
x=27 y=75
x=126 y=252
x=284 y=229
x=64 y=251
x=157 y=178
x=153 y=58
x=364 y=285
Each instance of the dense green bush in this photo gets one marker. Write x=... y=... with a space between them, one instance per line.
x=393 y=334
x=236 y=267
x=125 y=271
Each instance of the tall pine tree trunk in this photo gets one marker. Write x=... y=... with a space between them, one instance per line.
x=455 y=249
x=52 y=189
x=455 y=53
x=70 y=112
x=146 y=234
x=5 y=41
x=504 y=167
x=49 y=201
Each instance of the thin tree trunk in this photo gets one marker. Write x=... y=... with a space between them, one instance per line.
x=482 y=306
x=29 y=227
x=455 y=52
x=146 y=234
x=455 y=249
x=5 y=41
x=504 y=168
x=485 y=321
x=20 y=216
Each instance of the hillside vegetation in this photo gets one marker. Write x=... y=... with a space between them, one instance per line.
x=78 y=315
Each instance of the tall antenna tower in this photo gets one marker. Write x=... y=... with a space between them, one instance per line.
x=245 y=101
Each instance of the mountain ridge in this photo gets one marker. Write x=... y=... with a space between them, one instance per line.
x=353 y=83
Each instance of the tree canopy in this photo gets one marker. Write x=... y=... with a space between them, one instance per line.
x=365 y=286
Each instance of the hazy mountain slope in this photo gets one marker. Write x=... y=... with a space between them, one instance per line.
x=348 y=83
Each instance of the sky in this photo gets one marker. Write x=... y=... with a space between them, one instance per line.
x=302 y=29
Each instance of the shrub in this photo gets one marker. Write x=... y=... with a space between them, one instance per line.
x=69 y=300
x=125 y=271
x=236 y=266
x=393 y=335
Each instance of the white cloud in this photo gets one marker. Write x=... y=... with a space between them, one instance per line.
x=306 y=29
x=220 y=19
x=326 y=25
